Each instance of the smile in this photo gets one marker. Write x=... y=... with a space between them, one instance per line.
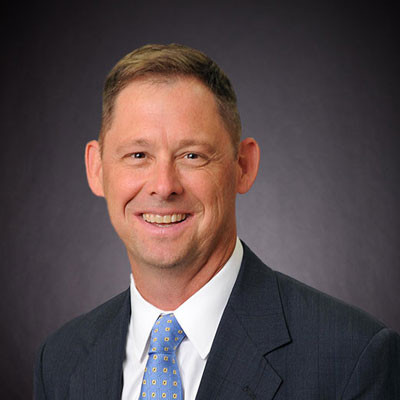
x=164 y=219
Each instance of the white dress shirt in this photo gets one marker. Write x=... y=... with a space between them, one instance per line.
x=199 y=317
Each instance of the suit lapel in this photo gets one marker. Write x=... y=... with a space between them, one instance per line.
x=99 y=374
x=252 y=326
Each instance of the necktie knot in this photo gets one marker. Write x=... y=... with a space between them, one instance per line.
x=166 y=335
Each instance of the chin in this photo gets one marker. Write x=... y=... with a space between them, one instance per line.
x=162 y=251
x=165 y=263
x=163 y=258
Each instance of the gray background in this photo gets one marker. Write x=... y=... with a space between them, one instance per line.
x=318 y=88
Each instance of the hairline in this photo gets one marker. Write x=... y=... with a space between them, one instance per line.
x=158 y=78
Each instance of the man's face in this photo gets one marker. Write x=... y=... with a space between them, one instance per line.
x=169 y=174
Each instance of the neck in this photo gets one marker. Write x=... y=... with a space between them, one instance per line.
x=168 y=288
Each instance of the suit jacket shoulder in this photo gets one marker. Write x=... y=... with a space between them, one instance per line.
x=89 y=341
x=287 y=340
x=308 y=310
x=355 y=353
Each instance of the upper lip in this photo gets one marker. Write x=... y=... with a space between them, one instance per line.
x=162 y=213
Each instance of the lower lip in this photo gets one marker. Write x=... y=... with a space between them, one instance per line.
x=165 y=229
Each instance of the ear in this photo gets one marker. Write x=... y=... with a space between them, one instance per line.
x=248 y=160
x=94 y=167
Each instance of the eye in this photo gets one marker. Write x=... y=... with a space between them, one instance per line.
x=191 y=159
x=138 y=154
x=192 y=156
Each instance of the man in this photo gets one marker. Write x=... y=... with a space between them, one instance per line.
x=204 y=318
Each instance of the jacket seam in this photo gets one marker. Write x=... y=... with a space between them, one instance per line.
x=358 y=360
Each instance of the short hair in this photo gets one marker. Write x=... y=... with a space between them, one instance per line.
x=172 y=60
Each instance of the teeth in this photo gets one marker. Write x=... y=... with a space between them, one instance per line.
x=163 y=219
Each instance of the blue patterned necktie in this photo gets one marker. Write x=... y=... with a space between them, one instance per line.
x=161 y=380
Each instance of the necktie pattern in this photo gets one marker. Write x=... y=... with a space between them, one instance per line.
x=161 y=380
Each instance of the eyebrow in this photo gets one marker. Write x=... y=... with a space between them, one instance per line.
x=193 y=142
x=182 y=143
x=136 y=142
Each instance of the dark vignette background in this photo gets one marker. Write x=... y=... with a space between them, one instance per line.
x=317 y=84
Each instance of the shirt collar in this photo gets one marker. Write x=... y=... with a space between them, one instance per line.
x=199 y=316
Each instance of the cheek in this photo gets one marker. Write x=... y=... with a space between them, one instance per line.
x=227 y=194
x=120 y=188
x=216 y=193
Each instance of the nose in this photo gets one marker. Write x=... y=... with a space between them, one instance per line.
x=164 y=181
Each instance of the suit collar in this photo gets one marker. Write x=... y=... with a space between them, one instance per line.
x=99 y=374
x=207 y=305
x=252 y=326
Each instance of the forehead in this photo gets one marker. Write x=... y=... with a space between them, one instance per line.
x=163 y=92
x=173 y=106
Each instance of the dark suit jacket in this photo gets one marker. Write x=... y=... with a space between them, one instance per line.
x=278 y=339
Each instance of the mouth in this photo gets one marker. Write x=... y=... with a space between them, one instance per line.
x=164 y=220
